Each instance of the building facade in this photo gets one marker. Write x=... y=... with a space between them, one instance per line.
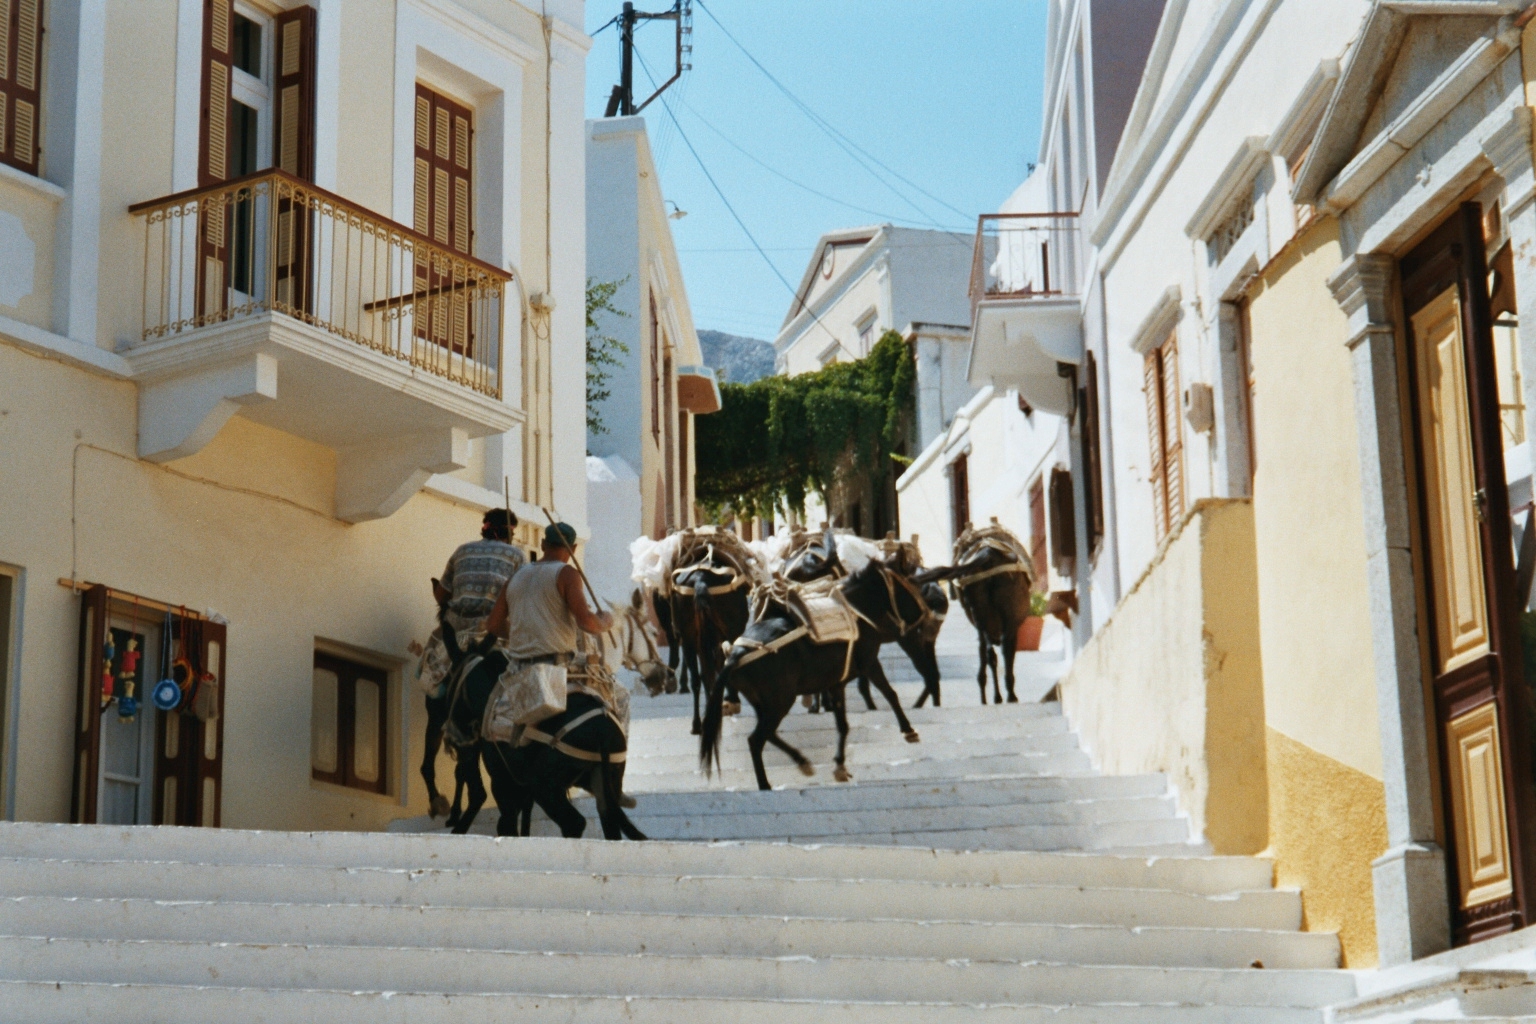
x=289 y=296
x=640 y=467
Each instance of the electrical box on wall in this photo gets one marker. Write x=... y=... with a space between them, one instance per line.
x=1199 y=408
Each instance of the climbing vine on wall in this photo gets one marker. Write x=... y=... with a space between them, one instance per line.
x=778 y=439
x=604 y=352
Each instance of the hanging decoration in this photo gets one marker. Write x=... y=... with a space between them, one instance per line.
x=166 y=694
x=128 y=671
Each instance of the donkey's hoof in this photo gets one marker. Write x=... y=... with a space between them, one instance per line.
x=627 y=802
x=439 y=807
x=842 y=774
x=911 y=737
x=696 y=729
x=731 y=707
x=807 y=769
x=1013 y=698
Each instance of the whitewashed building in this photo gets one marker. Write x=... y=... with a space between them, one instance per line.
x=289 y=295
x=640 y=467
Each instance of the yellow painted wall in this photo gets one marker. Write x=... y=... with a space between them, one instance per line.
x=1173 y=683
x=1327 y=810
x=242 y=528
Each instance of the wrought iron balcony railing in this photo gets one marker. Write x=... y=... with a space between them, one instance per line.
x=1025 y=255
x=270 y=242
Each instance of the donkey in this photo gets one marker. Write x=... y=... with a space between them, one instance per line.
x=708 y=608
x=466 y=769
x=771 y=674
x=581 y=746
x=994 y=588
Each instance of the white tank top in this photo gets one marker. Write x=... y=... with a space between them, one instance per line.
x=539 y=622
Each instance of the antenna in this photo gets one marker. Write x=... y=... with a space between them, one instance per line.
x=621 y=102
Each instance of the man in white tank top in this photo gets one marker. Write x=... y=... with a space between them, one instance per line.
x=543 y=606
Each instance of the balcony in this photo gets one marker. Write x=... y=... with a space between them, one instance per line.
x=300 y=310
x=1026 y=309
x=698 y=390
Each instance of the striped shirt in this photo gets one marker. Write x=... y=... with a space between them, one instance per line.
x=475 y=574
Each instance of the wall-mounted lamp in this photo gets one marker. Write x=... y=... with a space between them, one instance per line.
x=678 y=213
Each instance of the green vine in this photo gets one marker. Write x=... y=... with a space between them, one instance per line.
x=603 y=350
x=778 y=439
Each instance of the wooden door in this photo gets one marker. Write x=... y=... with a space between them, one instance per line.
x=1467 y=568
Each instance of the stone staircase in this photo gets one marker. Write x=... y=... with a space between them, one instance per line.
x=985 y=874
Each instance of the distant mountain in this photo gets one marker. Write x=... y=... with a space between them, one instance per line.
x=736 y=359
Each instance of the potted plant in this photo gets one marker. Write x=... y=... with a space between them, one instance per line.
x=1030 y=629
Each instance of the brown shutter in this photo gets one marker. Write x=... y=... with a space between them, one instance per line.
x=655 y=373
x=215 y=216
x=293 y=150
x=93 y=635
x=293 y=120
x=960 y=494
x=444 y=212
x=21 y=64
x=212 y=640
x=1093 y=481
x=1063 y=528
x=1173 y=445
x=1037 y=548
x=1152 y=387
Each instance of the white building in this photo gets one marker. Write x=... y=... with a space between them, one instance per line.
x=289 y=295
x=640 y=468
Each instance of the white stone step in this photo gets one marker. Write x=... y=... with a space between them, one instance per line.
x=822 y=747
x=568 y=930
x=656 y=736
x=915 y=766
x=69 y=1003
x=691 y=894
x=587 y=973
x=1198 y=875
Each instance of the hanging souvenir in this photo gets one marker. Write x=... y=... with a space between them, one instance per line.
x=128 y=671
x=166 y=694
x=108 y=653
x=182 y=672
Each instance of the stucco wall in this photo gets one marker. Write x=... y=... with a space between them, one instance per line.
x=1319 y=675
x=1172 y=683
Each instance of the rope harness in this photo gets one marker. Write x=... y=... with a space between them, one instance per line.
x=533 y=734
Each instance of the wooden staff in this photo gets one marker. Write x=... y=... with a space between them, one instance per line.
x=596 y=604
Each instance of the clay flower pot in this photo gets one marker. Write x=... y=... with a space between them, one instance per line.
x=1029 y=633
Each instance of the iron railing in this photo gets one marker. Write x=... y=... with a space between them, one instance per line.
x=1025 y=255
x=270 y=242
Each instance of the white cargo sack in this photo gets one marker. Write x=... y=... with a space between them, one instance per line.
x=524 y=694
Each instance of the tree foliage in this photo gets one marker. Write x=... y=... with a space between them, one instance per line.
x=778 y=439
x=604 y=352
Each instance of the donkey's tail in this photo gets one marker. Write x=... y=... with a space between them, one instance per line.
x=714 y=713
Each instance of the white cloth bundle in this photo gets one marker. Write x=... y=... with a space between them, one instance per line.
x=524 y=694
x=651 y=561
x=855 y=552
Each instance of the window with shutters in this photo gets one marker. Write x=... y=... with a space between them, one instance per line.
x=959 y=495
x=1093 y=479
x=348 y=727
x=1063 y=523
x=1038 y=550
x=21 y=82
x=1164 y=433
x=655 y=373
x=443 y=211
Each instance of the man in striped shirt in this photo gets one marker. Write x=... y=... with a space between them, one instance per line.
x=476 y=574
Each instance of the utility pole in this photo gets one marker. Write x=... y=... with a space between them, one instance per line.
x=621 y=102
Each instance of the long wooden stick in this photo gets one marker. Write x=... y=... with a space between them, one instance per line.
x=596 y=603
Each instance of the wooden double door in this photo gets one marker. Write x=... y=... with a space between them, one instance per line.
x=1474 y=581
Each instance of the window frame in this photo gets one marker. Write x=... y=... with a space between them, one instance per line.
x=12 y=93
x=348 y=671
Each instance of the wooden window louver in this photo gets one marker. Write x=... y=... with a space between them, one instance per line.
x=21 y=74
x=1161 y=381
x=293 y=148
x=443 y=211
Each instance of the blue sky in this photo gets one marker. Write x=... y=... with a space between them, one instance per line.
x=945 y=94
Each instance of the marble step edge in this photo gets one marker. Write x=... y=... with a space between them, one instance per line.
x=1400 y=1003
x=1205 y=873
x=49 y=1002
x=231 y=920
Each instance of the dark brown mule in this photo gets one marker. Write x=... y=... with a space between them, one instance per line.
x=708 y=608
x=772 y=681
x=994 y=587
x=466 y=771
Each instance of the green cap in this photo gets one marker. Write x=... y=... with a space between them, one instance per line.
x=560 y=535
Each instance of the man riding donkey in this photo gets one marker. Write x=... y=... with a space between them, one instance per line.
x=471 y=584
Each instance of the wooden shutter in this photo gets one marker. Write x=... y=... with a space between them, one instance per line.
x=1093 y=481
x=209 y=795
x=21 y=74
x=215 y=215
x=293 y=148
x=1152 y=387
x=1173 y=445
x=93 y=635
x=1037 y=549
x=354 y=732
x=1063 y=527
x=960 y=494
x=655 y=373
x=444 y=212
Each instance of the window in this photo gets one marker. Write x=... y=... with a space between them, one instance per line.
x=443 y=210
x=866 y=337
x=1161 y=385
x=959 y=495
x=1063 y=523
x=1037 y=538
x=655 y=373
x=7 y=611
x=21 y=72
x=348 y=725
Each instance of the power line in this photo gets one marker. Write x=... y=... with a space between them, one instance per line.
x=741 y=223
x=827 y=126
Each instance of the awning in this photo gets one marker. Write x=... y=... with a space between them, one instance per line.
x=697 y=390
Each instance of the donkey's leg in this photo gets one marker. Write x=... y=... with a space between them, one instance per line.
x=1010 y=643
x=997 y=691
x=869 y=702
x=801 y=761
x=922 y=656
x=981 y=664
x=561 y=811
x=691 y=671
x=468 y=775
x=437 y=804
x=456 y=813
x=838 y=696
x=877 y=676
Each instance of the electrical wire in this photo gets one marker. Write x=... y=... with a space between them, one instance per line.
x=842 y=140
